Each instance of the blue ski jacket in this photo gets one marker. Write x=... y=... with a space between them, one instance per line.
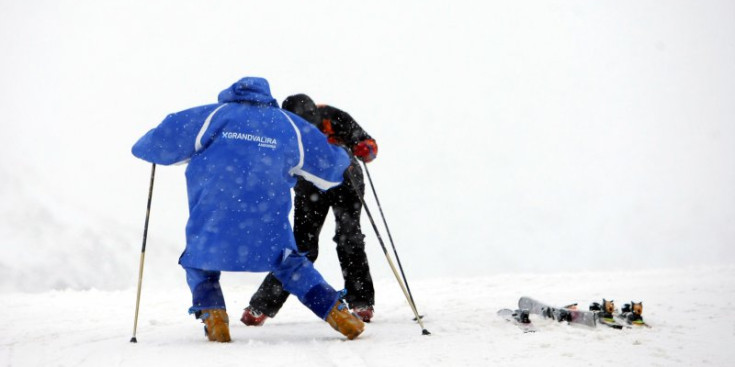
x=242 y=154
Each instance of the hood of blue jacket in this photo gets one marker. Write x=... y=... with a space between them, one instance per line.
x=248 y=89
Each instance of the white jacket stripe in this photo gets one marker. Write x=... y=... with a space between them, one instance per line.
x=198 y=142
x=293 y=170
x=298 y=170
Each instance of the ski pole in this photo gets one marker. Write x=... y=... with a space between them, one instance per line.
x=385 y=251
x=387 y=230
x=142 y=254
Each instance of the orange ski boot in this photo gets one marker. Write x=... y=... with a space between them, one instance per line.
x=343 y=321
x=216 y=325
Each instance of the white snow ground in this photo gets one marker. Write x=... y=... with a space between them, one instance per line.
x=568 y=150
x=690 y=310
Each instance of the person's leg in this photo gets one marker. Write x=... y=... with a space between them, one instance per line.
x=310 y=211
x=311 y=206
x=347 y=208
x=299 y=277
x=206 y=292
x=208 y=303
x=269 y=298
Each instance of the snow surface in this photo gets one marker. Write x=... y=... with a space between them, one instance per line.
x=690 y=310
x=566 y=150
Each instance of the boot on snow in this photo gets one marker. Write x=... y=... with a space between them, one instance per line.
x=632 y=313
x=605 y=309
x=253 y=317
x=364 y=313
x=605 y=313
x=216 y=324
x=342 y=320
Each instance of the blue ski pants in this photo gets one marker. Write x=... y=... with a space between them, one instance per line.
x=295 y=271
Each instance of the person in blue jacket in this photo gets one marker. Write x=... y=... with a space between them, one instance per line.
x=243 y=156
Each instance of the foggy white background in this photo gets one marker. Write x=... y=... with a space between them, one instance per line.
x=514 y=136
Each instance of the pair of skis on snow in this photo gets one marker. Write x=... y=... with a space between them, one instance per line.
x=604 y=314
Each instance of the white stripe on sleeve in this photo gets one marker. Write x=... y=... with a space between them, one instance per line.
x=293 y=170
x=198 y=142
x=298 y=169
x=318 y=181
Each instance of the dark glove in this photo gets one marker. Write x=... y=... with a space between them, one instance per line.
x=366 y=150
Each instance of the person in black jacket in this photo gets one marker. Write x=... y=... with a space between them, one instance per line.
x=311 y=206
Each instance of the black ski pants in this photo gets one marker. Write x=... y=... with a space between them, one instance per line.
x=311 y=207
